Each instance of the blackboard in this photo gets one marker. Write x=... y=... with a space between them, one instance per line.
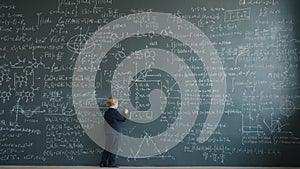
x=207 y=82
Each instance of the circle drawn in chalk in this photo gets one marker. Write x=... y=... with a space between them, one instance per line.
x=84 y=98
x=287 y=108
x=77 y=44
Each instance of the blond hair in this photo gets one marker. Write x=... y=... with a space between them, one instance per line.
x=112 y=101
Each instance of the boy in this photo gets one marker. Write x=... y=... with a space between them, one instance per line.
x=112 y=127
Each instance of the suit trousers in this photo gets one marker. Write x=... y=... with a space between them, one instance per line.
x=109 y=153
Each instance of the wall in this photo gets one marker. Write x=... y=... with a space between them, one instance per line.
x=207 y=83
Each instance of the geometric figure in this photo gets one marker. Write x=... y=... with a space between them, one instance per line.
x=78 y=43
x=287 y=108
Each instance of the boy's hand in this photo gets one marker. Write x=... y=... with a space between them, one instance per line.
x=125 y=111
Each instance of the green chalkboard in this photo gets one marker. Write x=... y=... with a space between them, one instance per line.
x=207 y=82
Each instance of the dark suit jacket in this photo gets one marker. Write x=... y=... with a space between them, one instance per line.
x=113 y=117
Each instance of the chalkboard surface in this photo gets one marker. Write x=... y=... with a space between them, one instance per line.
x=207 y=82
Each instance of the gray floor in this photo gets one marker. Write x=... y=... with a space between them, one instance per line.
x=89 y=167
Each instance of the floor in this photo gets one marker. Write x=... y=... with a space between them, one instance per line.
x=94 y=167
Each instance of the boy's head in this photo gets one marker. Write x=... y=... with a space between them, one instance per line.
x=112 y=102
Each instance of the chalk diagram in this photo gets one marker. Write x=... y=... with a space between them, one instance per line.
x=19 y=75
x=127 y=71
x=18 y=110
x=77 y=44
x=268 y=120
x=5 y=95
x=287 y=108
x=277 y=122
x=147 y=140
x=4 y=74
